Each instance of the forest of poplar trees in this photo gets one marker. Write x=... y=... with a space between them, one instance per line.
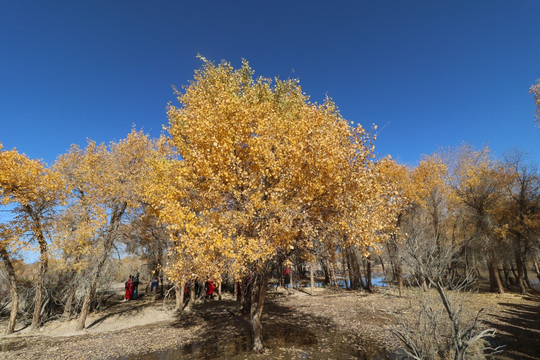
x=249 y=178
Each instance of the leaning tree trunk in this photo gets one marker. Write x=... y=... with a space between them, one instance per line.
x=12 y=288
x=91 y=291
x=69 y=303
x=44 y=263
x=257 y=303
x=108 y=242
x=495 y=283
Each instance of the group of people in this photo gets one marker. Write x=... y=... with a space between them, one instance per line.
x=132 y=287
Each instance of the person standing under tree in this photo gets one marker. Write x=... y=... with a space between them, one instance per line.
x=136 y=285
x=129 y=289
x=287 y=277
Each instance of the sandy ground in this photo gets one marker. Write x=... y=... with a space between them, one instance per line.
x=330 y=325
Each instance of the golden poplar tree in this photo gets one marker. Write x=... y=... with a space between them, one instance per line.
x=105 y=183
x=262 y=172
x=34 y=191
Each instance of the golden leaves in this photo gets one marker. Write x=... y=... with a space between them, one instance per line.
x=261 y=171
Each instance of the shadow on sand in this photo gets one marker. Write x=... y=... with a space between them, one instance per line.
x=287 y=334
x=518 y=330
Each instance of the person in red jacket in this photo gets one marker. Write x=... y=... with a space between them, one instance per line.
x=129 y=289
x=210 y=288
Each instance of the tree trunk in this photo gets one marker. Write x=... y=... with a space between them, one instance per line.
x=495 y=283
x=191 y=301
x=395 y=261
x=383 y=270
x=12 y=288
x=355 y=278
x=312 y=276
x=179 y=292
x=108 y=241
x=69 y=302
x=520 y=276
x=369 y=286
x=257 y=303
x=246 y=293
x=44 y=263
x=537 y=269
x=526 y=276
x=333 y=275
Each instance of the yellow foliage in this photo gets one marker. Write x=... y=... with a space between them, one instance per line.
x=262 y=171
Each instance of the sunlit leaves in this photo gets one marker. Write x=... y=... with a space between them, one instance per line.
x=261 y=171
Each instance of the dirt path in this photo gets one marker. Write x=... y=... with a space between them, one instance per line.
x=330 y=325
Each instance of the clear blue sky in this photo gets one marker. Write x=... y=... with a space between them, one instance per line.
x=429 y=73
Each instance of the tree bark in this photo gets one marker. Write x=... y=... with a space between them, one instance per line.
x=12 y=288
x=495 y=283
x=520 y=275
x=537 y=269
x=179 y=292
x=69 y=302
x=108 y=241
x=257 y=303
x=369 y=286
x=189 y=306
x=312 y=276
x=44 y=264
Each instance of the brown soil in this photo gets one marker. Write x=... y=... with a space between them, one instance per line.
x=330 y=325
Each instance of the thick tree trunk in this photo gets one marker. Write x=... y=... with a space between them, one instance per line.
x=192 y=296
x=325 y=268
x=520 y=275
x=247 y=290
x=179 y=292
x=495 y=283
x=69 y=302
x=12 y=288
x=85 y=310
x=257 y=303
x=369 y=286
x=44 y=263
x=355 y=277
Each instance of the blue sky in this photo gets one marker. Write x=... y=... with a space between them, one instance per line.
x=428 y=73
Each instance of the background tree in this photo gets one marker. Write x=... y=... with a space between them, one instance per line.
x=520 y=214
x=33 y=192
x=478 y=182
x=105 y=183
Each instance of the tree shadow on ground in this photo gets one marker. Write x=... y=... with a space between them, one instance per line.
x=518 y=330
x=287 y=333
